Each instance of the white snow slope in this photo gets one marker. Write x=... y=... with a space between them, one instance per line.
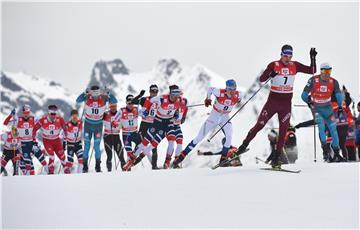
x=321 y=196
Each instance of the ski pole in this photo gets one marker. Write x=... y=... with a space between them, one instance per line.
x=189 y=106
x=299 y=105
x=313 y=112
x=241 y=107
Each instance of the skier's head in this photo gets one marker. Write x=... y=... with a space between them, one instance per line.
x=14 y=131
x=52 y=111
x=74 y=115
x=95 y=91
x=129 y=101
x=325 y=71
x=286 y=54
x=272 y=135
x=153 y=90
x=113 y=107
x=26 y=110
x=175 y=92
x=230 y=87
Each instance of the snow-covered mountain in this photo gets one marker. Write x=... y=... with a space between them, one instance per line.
x=19 y=88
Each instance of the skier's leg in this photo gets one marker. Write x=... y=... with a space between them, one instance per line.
x=119 y=149
x=108 y=142
x=6 y=156
x=342 y=132
x=39 y=155
x=87 y=142
x=331 y=124
x=50 y=151
x=59 y=151
x=79 y=154
x=70 y=154
x=266 y=113
x=179 y=141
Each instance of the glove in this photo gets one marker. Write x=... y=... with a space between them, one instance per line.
x=13 y=111
x=310 y=104
x=272 y=74
x=313 y=53
x=64 y=145
x=176 y=115
x=107 y=91
x=87 y=91
x=35 y=143
x=340 y=111
x=142 y=92
x=145 y=113
x=207 y=102
x=35 y=147
x=114 y=124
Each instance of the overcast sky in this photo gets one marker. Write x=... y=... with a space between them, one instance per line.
x=62 y=41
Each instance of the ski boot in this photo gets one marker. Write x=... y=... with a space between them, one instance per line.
x=128 y=165
x=221 y=162
x=154 y=161
x=241 y=149
x=51 y=169
x=178 y=160
x=326 y=152
x=138 y=159
x=109 y=166
x=337 y=156
x=236 y=163
x=98 y=166
x=85 y=167
x=275 y=163
x=167 y=162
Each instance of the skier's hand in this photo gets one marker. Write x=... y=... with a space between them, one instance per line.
x=142 y=92
x=114 y=124
x=313 y=53
x=207 y=102
x=35 y=147
x=145 y=113
x=13 y=111
x=273 y=74
x=87 y=90
x=340 y=111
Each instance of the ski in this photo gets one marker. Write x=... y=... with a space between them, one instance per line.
x=281 y=170
x=227 y=161
x=257 y=159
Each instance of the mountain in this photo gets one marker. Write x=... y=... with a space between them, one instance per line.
x=19 y=88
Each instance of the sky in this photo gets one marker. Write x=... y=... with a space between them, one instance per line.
x=62 y=41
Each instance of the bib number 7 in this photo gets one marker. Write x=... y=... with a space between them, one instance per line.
x=286 y=79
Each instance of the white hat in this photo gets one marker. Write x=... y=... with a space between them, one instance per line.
x=325 y=65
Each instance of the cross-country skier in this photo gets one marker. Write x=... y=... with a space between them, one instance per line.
x=11 y=148
x=282 y=74
x=357 y=129
x=52 y=125
x=167 y=111
x=128 y=117
x=177 y=134
x=74 y=140
x=95 y=107
x=321 y=87
x=147 y=121
x=225 y=100
x=25 y=124
x=234 y=163
x=112 y=137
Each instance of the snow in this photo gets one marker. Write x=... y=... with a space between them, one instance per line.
x=321 y=196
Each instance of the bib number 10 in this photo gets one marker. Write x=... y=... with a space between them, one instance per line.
x=95 y=111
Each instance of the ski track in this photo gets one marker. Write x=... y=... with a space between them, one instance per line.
x=321 y=196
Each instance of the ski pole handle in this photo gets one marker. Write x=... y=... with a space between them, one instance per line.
x=252 y=96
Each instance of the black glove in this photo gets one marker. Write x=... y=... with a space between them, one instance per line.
x=87 y=91
x=13 y=111
x=340 y=111
x=207 y=102
x=313 y=53
x=273 y=74
x=64 y=145
x=142 y=92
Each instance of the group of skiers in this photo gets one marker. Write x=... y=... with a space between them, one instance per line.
x=162 y=116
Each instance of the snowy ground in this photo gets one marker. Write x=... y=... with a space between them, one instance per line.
x=321 y=196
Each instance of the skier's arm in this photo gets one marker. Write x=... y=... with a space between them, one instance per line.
x=112 y=98
x=118 y=115
x=63 y=126
x=36 y=128
x=156 y=100
x=338 y=94
x=266 y=74
x=305 y=94
x=8 y=119
x=81 y=98
x=137 y=100
x=304 y=68
x=305 y=124
x=213 y=91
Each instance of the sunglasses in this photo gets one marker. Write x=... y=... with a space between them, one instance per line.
x=53 y=114
x=326 y=71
